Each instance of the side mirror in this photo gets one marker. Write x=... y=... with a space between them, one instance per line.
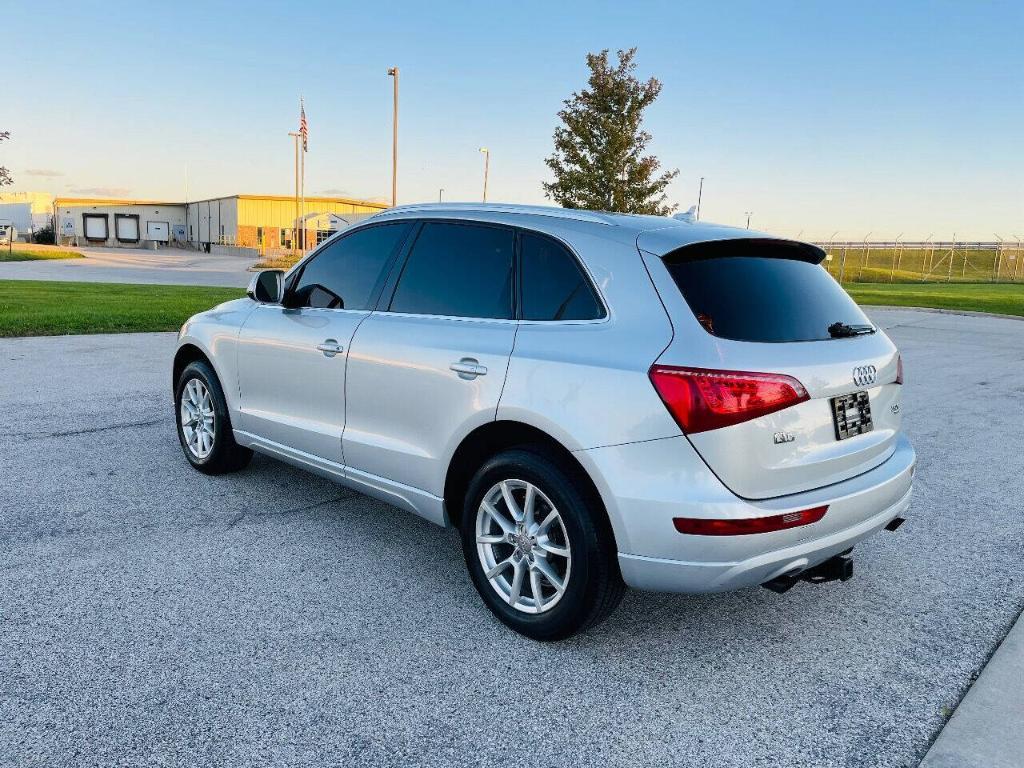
x=267 y=287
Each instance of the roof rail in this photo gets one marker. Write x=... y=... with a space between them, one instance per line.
x=527 y=210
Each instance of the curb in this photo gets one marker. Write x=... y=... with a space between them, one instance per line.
x=937 y=310
x=985 y=729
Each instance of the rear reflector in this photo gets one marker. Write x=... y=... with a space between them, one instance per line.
x=701 y=399
x=697 y=526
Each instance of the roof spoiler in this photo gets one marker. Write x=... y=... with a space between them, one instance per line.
x=763 y=247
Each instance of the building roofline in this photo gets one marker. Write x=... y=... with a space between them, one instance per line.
x=57 y=201
x=291 y=198
x=281 y=198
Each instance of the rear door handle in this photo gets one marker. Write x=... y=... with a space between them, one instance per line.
x=330 y=347
x=468 y=368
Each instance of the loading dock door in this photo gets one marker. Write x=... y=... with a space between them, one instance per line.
x=158 y=230
x=126 y=227
x=95 y=226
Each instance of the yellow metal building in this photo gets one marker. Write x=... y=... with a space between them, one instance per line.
x=269 y=222
x=262 y=222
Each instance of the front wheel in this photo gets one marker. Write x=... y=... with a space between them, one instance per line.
x=204 y=427
x=537 y=546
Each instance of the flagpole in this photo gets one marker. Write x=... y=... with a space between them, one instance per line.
x=295 y=233
x=303 y=166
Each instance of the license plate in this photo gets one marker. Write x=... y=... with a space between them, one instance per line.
x=852 y=415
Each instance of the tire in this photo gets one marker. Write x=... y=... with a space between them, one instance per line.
x=214 y=451
x=589 y=571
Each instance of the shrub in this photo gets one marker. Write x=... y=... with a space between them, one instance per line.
x=44 y=236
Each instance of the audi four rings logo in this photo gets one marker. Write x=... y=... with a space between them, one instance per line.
x=863 y=375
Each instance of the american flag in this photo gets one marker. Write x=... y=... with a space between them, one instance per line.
x=303 y=126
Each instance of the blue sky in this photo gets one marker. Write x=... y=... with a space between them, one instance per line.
x=817 y=116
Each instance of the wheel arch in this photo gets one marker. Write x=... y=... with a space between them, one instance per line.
x=187 y=353
x=494 y=437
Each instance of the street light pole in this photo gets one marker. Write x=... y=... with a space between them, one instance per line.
x=487 y=168
x=700 y=192
x=749 y=214
x=393 y=72
x=295 y=232
x=440 y=192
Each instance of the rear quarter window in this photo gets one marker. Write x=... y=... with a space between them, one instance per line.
x=761 y=291
x=553 y=285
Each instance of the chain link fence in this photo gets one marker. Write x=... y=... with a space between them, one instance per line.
x=925 y=262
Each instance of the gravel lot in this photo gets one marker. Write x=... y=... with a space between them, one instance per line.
x=151 y=615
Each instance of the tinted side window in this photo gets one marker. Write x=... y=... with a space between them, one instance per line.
x=349 y=273
x=460 y=270
x=554 y=288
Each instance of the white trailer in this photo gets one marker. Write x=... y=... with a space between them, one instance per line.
x=8 y=232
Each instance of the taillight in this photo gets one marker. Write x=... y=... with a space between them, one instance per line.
x=701 y=399
x=899 y=369
x=697 y=526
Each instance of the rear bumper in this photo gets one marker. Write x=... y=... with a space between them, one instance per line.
x=648 y=484
x=662 y=575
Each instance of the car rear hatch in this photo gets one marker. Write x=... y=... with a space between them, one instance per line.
x=778 y=379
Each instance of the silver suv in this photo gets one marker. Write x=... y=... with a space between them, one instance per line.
x=594 y=400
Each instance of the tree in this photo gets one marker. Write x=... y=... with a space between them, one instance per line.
x=5 y=175
x=599 y=161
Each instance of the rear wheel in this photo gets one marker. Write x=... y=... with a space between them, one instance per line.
x=535 y=546
x=204 y=427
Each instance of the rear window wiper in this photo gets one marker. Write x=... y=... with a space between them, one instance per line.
x=844 y=330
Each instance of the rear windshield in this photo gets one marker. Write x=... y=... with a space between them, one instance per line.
x=757 y=292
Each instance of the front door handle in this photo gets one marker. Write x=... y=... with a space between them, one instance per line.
x=469 y=368
x=330 y=347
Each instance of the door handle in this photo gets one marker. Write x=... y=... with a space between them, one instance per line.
x=468 y=368
x=330 y=347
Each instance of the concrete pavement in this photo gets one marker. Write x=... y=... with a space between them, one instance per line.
x=167 y=266
x=987 y=728
x=150 y=615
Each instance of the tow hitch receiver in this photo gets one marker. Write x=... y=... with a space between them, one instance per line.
x=838 y=568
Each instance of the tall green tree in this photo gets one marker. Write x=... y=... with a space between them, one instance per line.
x=599 y=162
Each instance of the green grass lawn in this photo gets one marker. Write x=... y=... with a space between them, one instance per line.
x=1000 y=298
x=28 y=253
x=45 y=308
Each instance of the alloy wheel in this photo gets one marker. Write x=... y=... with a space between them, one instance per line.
x=198 y=420
x=523 y=546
